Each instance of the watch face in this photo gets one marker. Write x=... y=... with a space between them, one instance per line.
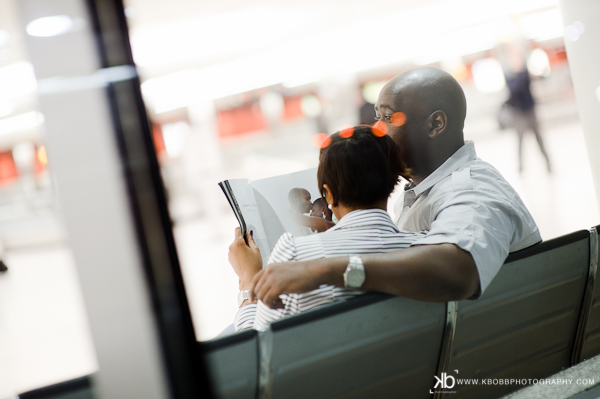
x=356 y=277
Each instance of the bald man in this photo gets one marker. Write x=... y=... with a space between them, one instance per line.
x=299 y=199
x=472 y=216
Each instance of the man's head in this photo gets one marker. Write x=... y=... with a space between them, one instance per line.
x=424 y=111
x=299 y=200
x=320 y=210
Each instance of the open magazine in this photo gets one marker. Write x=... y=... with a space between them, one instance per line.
x=270 y=207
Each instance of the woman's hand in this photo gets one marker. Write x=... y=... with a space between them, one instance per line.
x=245 y=259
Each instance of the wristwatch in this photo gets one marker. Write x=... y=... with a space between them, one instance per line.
x=354 y=276
x=242 y=296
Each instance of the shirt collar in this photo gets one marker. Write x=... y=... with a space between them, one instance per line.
x=464 y=154
x=365 y=217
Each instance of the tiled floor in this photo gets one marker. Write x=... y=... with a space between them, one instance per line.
x=44 y=336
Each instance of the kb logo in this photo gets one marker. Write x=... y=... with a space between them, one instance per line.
x=443 y=381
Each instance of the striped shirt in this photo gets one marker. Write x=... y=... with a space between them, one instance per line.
x=364 y=231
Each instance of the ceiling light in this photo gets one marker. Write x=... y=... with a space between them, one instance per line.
x=50 y=26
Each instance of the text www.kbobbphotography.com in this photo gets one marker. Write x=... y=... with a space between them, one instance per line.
x=447 y=381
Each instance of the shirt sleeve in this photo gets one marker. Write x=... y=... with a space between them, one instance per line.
x=244 y=319
x=478 y=222
x=257 y=315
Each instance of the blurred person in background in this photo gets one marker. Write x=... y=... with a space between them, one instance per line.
x=472 y=217
x=521 y=105
x=358 y=194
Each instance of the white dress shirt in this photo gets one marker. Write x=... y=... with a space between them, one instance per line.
x=467 y=202
x=365 y=231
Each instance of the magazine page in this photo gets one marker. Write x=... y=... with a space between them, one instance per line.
x=285 y=204
x=246 y=202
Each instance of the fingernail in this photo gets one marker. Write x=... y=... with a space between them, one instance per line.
x=252 y=233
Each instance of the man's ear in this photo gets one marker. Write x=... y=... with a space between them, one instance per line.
x=438 y=122
x=328 y=195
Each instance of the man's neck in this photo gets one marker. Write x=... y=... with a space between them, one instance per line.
x=421 y=174
x=429 y=164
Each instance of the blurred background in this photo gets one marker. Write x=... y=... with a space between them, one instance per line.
x=242 y=90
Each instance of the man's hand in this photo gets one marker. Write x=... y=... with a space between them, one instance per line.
x=282 y=278
x=245 y=259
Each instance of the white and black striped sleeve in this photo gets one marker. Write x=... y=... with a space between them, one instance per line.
x=258 y=315
x=244 y=319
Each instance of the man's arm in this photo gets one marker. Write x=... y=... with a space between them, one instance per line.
x=433 y=273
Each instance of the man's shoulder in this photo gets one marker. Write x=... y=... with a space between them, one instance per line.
x=487 y=178
x=482 y=187
x=476 y=176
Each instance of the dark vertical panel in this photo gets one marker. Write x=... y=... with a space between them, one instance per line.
x=186 y=371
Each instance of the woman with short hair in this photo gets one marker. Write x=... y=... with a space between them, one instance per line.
x=358 y=170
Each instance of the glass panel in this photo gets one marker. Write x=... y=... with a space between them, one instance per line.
x=241 y=89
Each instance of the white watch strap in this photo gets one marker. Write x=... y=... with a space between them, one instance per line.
x=356 y=260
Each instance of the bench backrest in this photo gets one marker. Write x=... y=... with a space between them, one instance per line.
x=233 y=365
x=591 y=341
x=525 y=324
x=386 y=349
